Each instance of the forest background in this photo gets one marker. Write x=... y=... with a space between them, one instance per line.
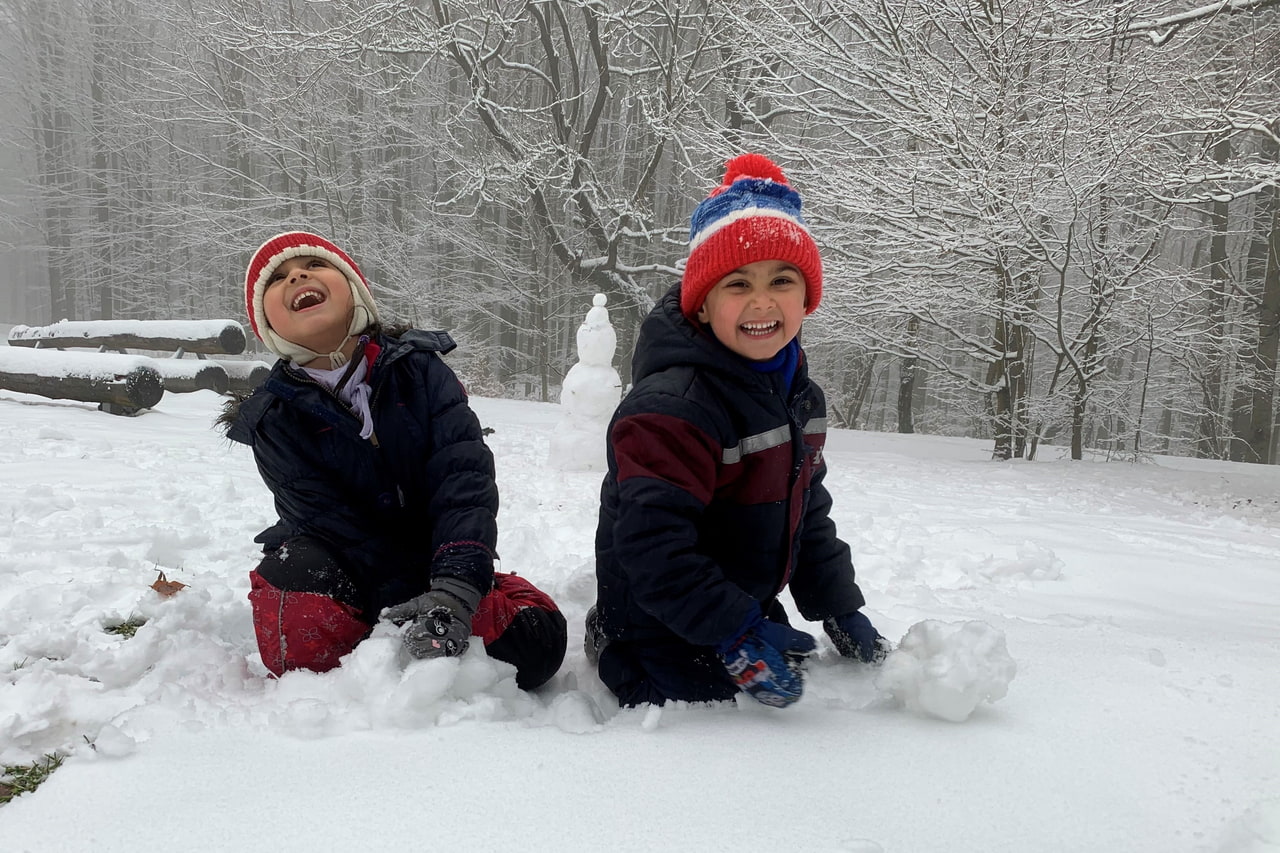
x=1050 y=222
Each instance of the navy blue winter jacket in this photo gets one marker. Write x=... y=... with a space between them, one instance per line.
x=416 y=500
x=713 y=502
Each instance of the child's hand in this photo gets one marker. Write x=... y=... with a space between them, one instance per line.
x=766 y=661
x=855 y=637
x=440 y=619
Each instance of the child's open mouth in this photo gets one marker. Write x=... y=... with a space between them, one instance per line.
x=305 y=299
x=759 y=330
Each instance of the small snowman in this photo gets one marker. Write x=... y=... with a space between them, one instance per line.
x=590 y=393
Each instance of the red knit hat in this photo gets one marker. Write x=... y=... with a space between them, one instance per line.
x=754 y=215
x=294 y=244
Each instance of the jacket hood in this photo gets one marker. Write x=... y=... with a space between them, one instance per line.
x=668 y=339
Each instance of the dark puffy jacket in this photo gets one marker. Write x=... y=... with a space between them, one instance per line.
x=714 y=500
x=417 y=499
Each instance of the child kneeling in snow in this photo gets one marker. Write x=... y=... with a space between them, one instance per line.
x=382 y=480
x=714 y=501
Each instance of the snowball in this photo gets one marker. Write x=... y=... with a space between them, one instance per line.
x=596 y=338
x=946 y=669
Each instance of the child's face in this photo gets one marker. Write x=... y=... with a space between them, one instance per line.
x=308 y=301
x=757 y=309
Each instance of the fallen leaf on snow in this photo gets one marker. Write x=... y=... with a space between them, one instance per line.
x=166 y=587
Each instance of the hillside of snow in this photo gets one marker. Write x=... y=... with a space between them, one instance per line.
x=1141 y=604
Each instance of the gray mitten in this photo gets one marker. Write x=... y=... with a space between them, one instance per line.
x=440 y=619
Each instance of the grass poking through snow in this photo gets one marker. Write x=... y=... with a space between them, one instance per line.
x=24 y=778
x=127 y=628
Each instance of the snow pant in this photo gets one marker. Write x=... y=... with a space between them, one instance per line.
x=308 y=612
x=662 y=669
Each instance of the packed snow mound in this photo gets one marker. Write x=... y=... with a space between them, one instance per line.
x=947 y=669
x=1257 y=831
x=68 y=685
x=410 y=694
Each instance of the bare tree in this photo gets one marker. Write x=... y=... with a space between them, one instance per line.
x=1040 y=221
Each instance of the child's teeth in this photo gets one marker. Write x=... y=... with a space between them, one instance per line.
x=303 y=297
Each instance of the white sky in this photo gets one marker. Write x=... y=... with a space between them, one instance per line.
x=1140 y=603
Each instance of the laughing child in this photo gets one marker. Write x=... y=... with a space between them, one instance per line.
x=714 y=500
x=382 y=481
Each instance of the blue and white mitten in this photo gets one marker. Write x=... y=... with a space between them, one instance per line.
x=765 y=660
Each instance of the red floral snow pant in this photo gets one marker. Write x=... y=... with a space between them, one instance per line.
x=299 y=628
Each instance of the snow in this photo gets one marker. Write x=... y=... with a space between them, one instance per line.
x=181 y=330
x=56 y=364
x=109 y=367
x=244 y=369
x=184 y=368
x=948 y=670
x=1138 y=602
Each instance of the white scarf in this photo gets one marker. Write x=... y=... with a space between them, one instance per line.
x=355 y=393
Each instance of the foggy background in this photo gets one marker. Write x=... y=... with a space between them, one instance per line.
x=1048 y=222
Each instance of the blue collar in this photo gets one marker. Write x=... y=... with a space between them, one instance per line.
x=784 y=364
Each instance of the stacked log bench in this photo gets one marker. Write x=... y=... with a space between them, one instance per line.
x=120 y=383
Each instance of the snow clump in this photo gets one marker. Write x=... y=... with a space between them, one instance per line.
x=947 y=669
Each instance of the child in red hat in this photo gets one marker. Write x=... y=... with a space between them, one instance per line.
x=382 y=481
x=714 y=501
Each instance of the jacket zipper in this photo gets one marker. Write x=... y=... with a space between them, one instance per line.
x=373 y=437
x=797 y=465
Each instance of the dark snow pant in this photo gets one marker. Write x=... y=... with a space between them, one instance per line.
x=308 y=613
x=663 y=669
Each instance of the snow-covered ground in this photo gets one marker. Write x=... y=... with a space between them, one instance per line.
x=1140 y=602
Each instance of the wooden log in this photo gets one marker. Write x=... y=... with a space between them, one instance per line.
x=121 y=384
x=204 y=337
x=244 y=376
x=184 y=375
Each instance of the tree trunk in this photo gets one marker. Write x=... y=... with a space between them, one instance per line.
x=1262 y=421
x=1210 y=444
x=140 y=388
x=244 y=376
x=1146 y=385
x=1166 y=429
x=860 y=391
x=99 y=185
x=1008 y=376
x=53 y=156
x=187 y=375
x=229 y=340
x=907 y=382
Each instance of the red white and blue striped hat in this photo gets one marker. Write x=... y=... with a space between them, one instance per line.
x=754 y=215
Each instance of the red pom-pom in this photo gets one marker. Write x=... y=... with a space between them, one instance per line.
x=753 y=166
